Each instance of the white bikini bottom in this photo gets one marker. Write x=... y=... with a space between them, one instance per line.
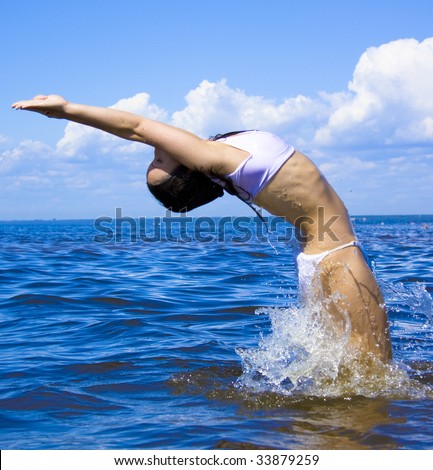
x=307 y=266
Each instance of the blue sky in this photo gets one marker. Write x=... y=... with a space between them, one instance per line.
x=348 y=83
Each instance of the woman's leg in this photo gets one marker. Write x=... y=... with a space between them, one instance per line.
x=351 y=292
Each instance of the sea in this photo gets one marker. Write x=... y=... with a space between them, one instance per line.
x=187 y=333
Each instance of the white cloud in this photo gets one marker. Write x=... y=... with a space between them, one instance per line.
x=32 y=181
x=77 y=138
x=3 y=139
x=346 y=167
x=139 y=104
x=25 y=155
x=390 y=99
x=215 y=107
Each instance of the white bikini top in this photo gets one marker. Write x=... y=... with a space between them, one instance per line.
x=267 y=154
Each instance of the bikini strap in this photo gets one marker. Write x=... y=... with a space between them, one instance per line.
x=352 y=243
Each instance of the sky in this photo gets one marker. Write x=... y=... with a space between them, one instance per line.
x=350 y=84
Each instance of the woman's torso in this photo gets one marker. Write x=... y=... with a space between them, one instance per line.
x=266 y=153
x=286 y=183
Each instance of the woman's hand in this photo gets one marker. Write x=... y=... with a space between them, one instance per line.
x=49 y=105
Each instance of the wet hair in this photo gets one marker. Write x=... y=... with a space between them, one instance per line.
x=185 y=190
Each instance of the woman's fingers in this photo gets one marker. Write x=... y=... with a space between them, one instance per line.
x=38 y=102
x=41 y=102
x=23 y=104
x=49 y=105
x=18 y=105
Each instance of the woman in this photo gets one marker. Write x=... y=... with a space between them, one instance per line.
x=258 y=167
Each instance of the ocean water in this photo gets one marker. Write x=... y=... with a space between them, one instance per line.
x=186 y=334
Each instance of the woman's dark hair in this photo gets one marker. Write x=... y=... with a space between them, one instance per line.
x=185 y=189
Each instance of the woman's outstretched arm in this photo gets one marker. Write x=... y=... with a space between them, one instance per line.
x=189 y=149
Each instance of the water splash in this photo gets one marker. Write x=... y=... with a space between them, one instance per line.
x=306 y=353
x=413 y=297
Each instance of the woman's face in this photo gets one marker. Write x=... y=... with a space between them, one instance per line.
x=161 y=168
